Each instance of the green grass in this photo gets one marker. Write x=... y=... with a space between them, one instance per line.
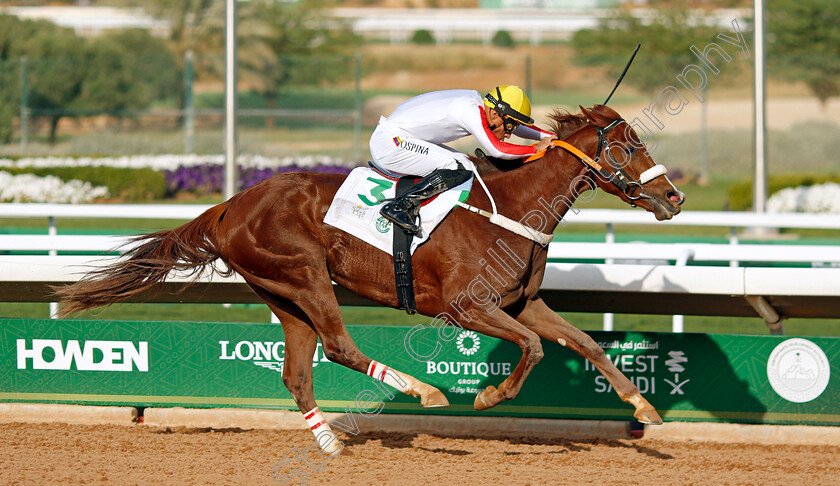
x=706 y=197
x=291 y=137
x=805 y=147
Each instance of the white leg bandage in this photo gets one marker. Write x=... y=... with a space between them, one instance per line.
x=326 y=438
x=379 y=371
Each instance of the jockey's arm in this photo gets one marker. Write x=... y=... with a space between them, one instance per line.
x=533 y=133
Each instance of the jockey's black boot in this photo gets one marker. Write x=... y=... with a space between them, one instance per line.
x=403 y=210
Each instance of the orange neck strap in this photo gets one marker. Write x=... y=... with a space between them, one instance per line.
x=570 y=148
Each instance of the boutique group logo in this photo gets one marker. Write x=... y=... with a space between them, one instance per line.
x=468 y=343
x=798 y=370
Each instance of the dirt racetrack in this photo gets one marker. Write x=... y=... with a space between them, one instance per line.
x=113 y=454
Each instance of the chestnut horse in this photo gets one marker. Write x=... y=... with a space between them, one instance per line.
x=273 y=235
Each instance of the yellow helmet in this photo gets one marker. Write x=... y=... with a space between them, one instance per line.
x=510 y=102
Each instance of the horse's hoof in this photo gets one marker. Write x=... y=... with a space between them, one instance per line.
x=434 y=399
x=488 y=398
x=648 y=416
x=333 y=448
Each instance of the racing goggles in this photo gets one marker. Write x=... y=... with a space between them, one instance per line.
x=509 y=124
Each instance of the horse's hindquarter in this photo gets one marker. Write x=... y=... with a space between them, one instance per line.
x=275 y=231
x=271 y=230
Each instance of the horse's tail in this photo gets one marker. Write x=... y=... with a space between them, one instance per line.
x=187 y=248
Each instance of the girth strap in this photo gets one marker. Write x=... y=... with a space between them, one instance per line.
x=402 y=257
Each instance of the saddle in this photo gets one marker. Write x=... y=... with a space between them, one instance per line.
x=355 y=210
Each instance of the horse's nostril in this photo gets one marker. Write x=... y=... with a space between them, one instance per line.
x=676 y=197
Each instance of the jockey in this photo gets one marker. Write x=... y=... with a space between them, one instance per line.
x=410 y=141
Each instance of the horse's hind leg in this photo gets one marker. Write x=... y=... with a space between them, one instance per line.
x=340 y=348
x=315 y=298
x=538 y=317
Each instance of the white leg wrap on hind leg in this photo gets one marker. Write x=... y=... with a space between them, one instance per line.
x=326 y=438
x=391 y=377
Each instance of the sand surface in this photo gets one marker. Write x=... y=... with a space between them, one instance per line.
x=84 y=454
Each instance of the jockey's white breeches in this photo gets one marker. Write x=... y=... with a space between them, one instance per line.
x=395 y=151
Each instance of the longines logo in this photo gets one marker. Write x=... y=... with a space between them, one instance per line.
x=268 y=354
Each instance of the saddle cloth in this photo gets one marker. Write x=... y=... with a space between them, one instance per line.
x=355 y=208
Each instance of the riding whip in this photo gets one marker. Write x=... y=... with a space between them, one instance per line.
x=623 y=73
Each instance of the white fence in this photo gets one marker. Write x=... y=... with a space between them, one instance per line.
x=634 y=278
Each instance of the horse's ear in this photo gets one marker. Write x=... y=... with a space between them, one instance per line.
x=587 y=114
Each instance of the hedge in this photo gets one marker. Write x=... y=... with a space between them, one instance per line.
x=741 y=194
x=126 y=184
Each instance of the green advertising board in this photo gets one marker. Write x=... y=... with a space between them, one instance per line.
x=687 y=377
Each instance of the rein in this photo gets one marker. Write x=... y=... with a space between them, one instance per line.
x=501 y=220
x=619 y=177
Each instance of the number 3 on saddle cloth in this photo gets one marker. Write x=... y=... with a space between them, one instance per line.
x=355 y=209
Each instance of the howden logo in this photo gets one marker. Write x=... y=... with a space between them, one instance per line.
x=51 y=354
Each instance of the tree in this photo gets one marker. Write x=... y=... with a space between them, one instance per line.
x=127 y=69
x=275 y=40
x=186 y=17
x=804 y=43
x=53 y=76
x=9 y=75
x=281 y=44
x=117 y=71
x=665 y=36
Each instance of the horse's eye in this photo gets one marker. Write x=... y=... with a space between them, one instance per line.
x=631 y=150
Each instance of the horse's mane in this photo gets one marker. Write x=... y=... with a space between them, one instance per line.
x=562 y=124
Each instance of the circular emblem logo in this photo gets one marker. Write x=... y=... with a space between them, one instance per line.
x=472 y=340
x=383 y=225
x=798 y=370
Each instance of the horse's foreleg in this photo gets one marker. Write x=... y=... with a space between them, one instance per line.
x=500 y=325
x=538 y=317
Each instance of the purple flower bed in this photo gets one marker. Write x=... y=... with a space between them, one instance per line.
x=210 y=177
